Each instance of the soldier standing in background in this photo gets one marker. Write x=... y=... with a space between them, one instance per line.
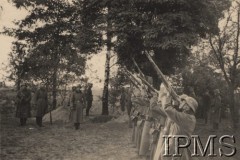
x=216 y=109
x=123 y=99
x=77 y=107
x=89 y=98
x=206 y=105
x=23 y=104
x=41 y=104
x=128 y=104
x=70 y=102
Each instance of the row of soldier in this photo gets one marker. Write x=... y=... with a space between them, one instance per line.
x=156 y=114
x=26 y=102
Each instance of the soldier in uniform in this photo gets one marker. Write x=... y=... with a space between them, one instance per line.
x=41 y=98
x=126 y=102
x=77 y=107
x=141 y=102
x=159 y=120
x=206 y=98
x=123 y=99
x=180 y=121
x=23 y=104
x=216 y=109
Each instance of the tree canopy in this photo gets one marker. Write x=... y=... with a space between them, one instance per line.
x=168 y=29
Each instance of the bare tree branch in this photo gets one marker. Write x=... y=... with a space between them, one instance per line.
x=113 y=65
x=220 y=60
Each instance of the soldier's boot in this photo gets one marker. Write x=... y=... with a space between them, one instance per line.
x=24 y=121
x=77 y=125
x=21 y=122
x=87 y=111
x=38 y=121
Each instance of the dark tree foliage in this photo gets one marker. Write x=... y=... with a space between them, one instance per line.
x=167 y=28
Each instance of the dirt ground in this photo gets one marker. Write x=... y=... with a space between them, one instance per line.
x=94 y=141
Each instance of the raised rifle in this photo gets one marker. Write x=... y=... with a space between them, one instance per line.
x=162 y=77
x=143 y=80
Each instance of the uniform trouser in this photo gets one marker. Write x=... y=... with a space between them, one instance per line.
x=23 y=121
x=77 y=125
x=153 y=145
x=144 y=149
x=89 y=105
x=134 y=124
x=139 y=133
x=39 y=121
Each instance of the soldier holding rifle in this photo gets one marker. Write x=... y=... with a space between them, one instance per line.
x=180 y=112
x=141 y=101
x=180 y=121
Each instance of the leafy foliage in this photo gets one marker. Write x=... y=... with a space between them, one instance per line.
x=166 y=28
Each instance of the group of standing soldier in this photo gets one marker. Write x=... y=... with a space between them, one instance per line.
x=26 y=101
x=154 y=115
x=24 y=105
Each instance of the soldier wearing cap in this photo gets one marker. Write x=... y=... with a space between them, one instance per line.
x=77 y=107
x=180 y=121
x=23 y=104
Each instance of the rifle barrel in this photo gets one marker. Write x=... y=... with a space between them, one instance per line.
x=161 y=76
x=144 y=81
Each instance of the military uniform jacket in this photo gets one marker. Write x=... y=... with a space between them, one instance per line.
x=23 y=104
x=178 y=123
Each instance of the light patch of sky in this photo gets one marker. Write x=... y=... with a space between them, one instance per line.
x=9 y=13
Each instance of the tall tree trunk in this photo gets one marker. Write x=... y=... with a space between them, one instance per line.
x=54 y=88
x=18 y=83
x=106 y=83
x=107 y=69
x=54 y=80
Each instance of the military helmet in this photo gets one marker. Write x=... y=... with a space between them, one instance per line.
x=192 y=103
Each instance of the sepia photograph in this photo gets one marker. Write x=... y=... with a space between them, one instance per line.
x=119 y=79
